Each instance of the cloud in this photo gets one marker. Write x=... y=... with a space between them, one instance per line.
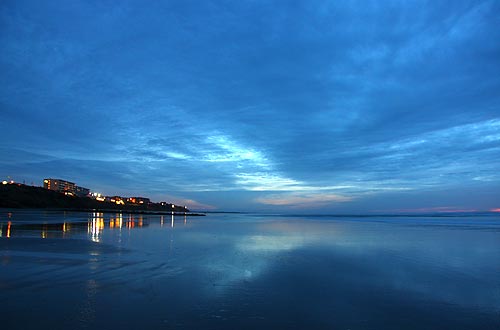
x=227 y=150
x=253 y=98
x=265 y=181
x=301 y=200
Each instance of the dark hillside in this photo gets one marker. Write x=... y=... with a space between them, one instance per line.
x=22 y=196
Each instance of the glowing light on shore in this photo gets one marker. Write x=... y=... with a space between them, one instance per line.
x=497 y=210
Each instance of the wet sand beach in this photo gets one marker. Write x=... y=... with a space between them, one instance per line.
x=71 y=270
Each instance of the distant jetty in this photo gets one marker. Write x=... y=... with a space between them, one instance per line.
x=24 y=196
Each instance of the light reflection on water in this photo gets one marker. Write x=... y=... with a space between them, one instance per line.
x=225 y=271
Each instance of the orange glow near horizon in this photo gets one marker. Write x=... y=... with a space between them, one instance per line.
x=495 y=210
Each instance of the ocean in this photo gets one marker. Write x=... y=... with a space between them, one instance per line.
x=79 y=270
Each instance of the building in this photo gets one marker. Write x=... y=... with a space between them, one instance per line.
x=67 y=187
x=118 y=200
x=59 y=185
x=81 y=191
x=138 y=200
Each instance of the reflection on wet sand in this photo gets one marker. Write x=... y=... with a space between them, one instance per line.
x=172 y=220
x=224 y=270
x=95 y=225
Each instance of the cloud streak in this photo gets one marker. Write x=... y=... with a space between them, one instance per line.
x=305 y=201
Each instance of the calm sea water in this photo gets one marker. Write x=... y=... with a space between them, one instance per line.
x=227 y=271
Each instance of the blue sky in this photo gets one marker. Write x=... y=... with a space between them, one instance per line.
x=292 y=106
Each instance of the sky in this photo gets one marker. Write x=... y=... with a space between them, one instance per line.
x=276 y=106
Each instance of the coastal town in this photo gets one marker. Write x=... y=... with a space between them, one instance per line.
x=71 y=190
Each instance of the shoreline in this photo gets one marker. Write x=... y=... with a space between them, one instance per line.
x=107 y=211
x=17 y=196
